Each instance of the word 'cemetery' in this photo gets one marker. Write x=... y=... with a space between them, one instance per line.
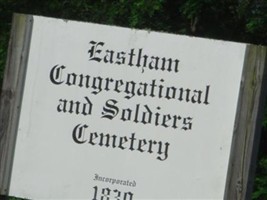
x=131 y=143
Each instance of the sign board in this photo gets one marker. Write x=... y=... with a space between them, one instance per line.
x=96 y=112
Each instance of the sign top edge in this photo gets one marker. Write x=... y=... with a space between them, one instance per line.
x=34 y=17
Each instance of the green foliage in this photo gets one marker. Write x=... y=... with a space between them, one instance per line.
x=260 y=192
x=243 y=20
x=256 y=21
x=3 y=53
x=224 y=19
x=10 y=198
x=264 y=123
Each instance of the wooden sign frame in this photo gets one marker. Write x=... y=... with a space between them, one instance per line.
x=248 y=125
x=11 y=95
x=246 y=135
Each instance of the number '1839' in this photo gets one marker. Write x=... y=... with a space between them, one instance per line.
x=107 y=194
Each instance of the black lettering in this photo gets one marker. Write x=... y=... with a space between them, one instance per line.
x=56 y=74
x=78 y=134
x=187 y=123
x=110 y=110
x=108 y=58
x=93 y=51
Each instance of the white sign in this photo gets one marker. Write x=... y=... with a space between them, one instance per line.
x=117 y=113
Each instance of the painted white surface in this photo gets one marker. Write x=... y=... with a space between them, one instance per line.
x=49 y=165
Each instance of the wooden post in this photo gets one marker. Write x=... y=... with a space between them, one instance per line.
x=11 y=95
x=247 y=125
